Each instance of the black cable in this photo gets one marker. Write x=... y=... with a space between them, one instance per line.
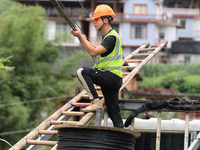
x=94 y=139
x=64 y=15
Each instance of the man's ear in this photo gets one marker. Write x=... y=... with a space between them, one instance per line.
x=106 y=20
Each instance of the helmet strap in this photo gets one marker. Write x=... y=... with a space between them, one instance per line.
x=101 y=25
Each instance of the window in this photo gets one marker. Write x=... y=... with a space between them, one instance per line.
x=161 y=35
x=187 y=59
x=63 y=33
x=139 y=31
x=182 y=23
x=140 y=9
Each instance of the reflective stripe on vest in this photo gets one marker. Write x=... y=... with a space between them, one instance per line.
x=113 y=61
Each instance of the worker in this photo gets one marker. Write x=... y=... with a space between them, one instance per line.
x=107 y=71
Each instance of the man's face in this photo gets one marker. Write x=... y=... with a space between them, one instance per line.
x=98 y=23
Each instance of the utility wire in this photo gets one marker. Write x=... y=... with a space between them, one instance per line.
x=15 y=132
x=34 y=101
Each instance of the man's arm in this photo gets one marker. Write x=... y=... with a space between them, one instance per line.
x=92 y=49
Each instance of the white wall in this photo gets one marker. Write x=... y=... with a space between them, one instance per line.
x=51 y=32
x=170 y=34
x=180 y=58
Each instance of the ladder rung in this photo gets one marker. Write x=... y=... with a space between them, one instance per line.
x=141 y=55
x=147 y=49
x=125 y=73
x=80 y=104
x=134 y=61
x=73 y=113
x=51 y=132
x=63 y=122
x=87 y=96
x=128 y=67
x=35 y=142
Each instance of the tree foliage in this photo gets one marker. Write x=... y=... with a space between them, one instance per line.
x=2 y=66
x=182 y=78
x=22 y=35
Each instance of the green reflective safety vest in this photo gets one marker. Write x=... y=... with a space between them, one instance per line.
x=113 y=61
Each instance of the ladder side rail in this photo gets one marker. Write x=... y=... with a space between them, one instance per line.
x=55 y=147
x=134 y=53
x=144 y=62
x=89 y=116
x=31 y=135
x=46 y=136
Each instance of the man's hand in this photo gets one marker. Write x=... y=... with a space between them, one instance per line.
x=76 y=33
x=93 y=50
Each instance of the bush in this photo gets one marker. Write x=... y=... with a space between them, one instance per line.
x=183 y=78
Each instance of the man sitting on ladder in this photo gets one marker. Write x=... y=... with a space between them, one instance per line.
x=107 y=71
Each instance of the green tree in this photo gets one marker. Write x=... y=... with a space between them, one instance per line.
x=182 y=78
x=22 y=35
x=2 y=66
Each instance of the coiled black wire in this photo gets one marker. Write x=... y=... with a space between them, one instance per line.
x=94 y=139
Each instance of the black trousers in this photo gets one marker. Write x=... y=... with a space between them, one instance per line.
x=110 y=85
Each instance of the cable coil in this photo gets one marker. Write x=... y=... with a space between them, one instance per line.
x=94 y=139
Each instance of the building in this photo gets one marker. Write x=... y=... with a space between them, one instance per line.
x=136 y=21
x=186 y=49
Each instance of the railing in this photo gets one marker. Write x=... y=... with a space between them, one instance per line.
x=78 y=13
x=139 y=17
x=75 y=13
x=189 y=11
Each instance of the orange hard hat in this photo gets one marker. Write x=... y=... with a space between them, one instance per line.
x=103 y=10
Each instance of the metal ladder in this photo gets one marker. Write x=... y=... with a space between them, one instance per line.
x=140 y=57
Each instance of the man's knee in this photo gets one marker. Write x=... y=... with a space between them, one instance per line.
x=79 y=72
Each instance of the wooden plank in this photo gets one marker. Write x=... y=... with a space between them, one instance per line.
x=54 y=148
x=147 y=49
x=63 y=122
x=134 y=61
x=87 y=118
x=141 y=55
x=125 y=73
x=47 y=143
x=51 y=132
x=87 y=96
x=130 y=56
x=135 y=134
x=80 y=104
x=186 y=131
x=73 y=113
x=128 y=67
x=158 y=133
